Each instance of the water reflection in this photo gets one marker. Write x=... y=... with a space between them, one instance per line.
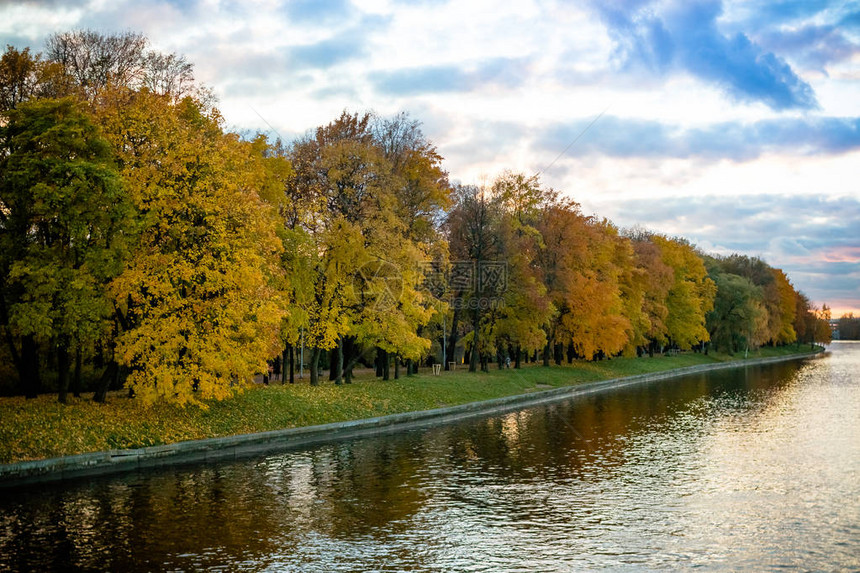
x=747 y=469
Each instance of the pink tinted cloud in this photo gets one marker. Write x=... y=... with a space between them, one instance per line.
x=843 y=255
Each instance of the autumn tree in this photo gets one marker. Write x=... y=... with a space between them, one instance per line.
x=691 y=295
x=335 y=177
x=95 y=60
x=785 y=308
x=422 y=193
x=168 y=74
x=849 y=327
x=363 y=266
x=24 y=76
x=822 y=330
x=518 y=323
x=418 y=181
x=18 y=77
x=652 y=279
x=804 y=320
x=473 y=235
x=200 y=302
x=584 y=262
x=561 y=227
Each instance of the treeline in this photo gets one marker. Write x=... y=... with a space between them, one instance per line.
x=849 y=327
x=142 y=243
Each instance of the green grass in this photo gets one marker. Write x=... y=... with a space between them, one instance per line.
x=43 y=428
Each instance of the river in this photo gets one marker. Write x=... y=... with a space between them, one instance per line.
x=746 y=469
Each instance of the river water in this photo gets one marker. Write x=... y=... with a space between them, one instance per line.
x=748 y=469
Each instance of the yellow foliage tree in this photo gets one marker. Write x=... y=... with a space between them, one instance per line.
x=787 y=308
x=582 y=262
x=363 y=268
x=202 y=296
x=651 y=279
x=691 y=295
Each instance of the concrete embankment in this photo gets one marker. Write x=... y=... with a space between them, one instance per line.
x=233 y=447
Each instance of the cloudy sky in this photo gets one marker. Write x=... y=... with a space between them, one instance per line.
x=735 y=124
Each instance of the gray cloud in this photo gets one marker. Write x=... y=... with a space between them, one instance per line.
x=346 y=44
x=812 y=45
x=685 y=36
x=618 y=137
x=505 y=72
x=328 y=53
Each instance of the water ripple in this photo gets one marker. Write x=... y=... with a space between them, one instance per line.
x=755 y=469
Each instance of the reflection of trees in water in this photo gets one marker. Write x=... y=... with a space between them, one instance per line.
x=588 y=438
x=202 y=516
x=142 y=523
x=195 y=517
x=368 y=485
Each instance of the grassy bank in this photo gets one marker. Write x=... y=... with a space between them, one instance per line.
x=42 y=428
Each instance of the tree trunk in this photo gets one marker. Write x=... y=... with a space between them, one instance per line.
x=338 y=365
x=351 y=358
x=292 y=364
x=29 y=372
x=476 y=339
x=63 y=372
x=451 y=345
x=386 y=365
x=332 y=364
x=118 y=378
x=546 y=353
x=314 y=366
x=518 y=358
x=379 y=359
x=278 y=368
x=410 y=367
x=110 y=373
x=76 y=378
x=397 y=367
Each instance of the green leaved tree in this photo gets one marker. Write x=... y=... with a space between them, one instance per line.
x=63 y=216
